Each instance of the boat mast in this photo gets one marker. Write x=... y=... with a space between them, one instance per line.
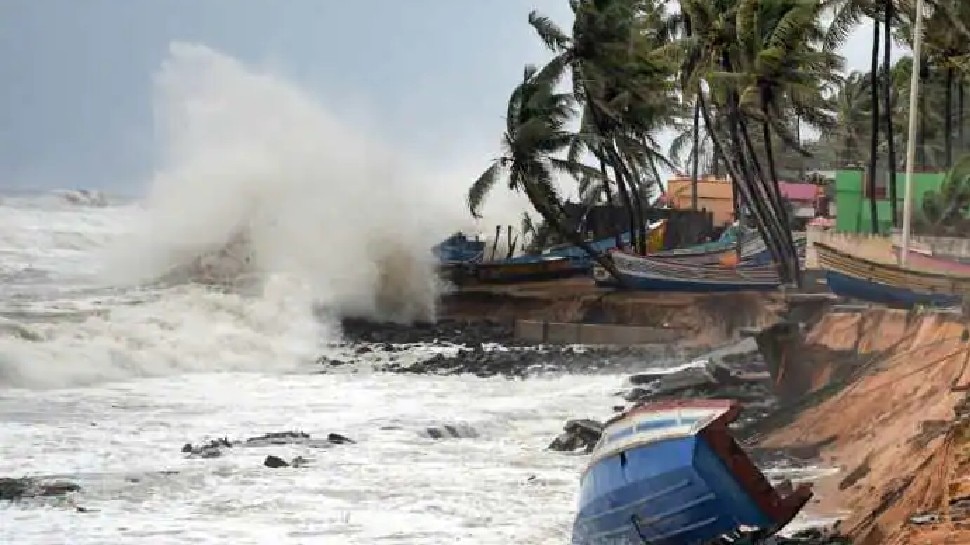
x=911 y=140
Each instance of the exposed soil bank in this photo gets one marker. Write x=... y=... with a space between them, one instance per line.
x=702 y=318
x=881 y=385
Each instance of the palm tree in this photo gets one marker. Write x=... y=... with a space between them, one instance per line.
x=623 y=83
x=785 y=68
x=720 y=62
x=535 y=133
x=847 y=14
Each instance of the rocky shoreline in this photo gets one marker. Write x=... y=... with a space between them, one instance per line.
x=484 y=349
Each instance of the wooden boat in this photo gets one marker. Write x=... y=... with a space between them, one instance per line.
x=647 y=273
x=926 y=261
x=669 y=473
x=860 y=278
x=523 y=269
x=459 y=249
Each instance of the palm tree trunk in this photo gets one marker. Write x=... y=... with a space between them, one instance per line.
x=948 y=119
x=552 y=219
x=696 y=162
x=874 y=140
x=741 y=182
x=961 y=120
x=921 y=135
x=618 y=238
x=779 y=202
x=768 y=200
x=635 y=189
x=624 y=192
x=887 y=91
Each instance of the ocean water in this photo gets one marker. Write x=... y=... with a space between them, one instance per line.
x=103 y=385
x=128 y=328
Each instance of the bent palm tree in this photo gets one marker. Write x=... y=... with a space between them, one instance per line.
x=535 y=132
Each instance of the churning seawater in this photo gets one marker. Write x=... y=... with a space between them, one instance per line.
x=103 y=386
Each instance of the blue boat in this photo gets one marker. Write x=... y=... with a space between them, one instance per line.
x=647 y=273
x=877 y=292
x=669 y=473
x=866 y=280
x=459 y=249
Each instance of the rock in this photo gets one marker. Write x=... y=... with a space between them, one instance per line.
x=214 y=448
x=338 y=439
x=459 y=431
x=645 y=378
x=27 y=487
x=274 y=462
x=299 y=461
x=582 y=434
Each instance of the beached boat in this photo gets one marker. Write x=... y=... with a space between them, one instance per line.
x=669 y=473
x=459 y=249
x=524 y=269
x=860 y=278
x=926 y=261
x=647 y=273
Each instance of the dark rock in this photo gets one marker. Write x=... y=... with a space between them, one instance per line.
x=27 y=487
x=582 y=434
x=449 y=431
x=275 y=462
x=338 y=439
x=645 y=378
x=214 y=448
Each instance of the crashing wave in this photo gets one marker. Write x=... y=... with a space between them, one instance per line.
x=83 y=197
x=229 y=266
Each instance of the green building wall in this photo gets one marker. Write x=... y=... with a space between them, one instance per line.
x=852 y=206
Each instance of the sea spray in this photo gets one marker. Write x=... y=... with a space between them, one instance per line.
x=257 y=179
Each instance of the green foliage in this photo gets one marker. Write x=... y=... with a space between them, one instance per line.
x=759 y=73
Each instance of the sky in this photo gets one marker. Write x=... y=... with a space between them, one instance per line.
x=429 y=77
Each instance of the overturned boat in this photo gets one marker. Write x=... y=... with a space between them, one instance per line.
x=669 y=473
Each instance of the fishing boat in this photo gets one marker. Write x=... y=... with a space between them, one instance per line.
x=520 y=269
x=925 y=260
x=459 y=249
x=647 y=273
x=669 y=473
x=859 y=278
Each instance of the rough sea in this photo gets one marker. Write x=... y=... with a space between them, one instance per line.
x=104 y=385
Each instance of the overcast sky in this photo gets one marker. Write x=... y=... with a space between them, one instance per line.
x=432 y=75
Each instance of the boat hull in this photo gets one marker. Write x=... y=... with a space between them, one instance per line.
x=876 y=292
x=668 y=473
x=693 y=497
x=650 y=274
x=546 y=269
x=918 y=260
x=868 y=280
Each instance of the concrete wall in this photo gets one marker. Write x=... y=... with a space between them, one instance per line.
x=880 y=247
x=594 y=334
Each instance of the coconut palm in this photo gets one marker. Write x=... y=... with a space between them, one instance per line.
x=622 y=80
x=535 y=133
x=712 y=61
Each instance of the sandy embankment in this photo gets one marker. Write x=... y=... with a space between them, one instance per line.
x=888 y=383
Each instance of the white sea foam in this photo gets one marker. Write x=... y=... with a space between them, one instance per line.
x=254 y=179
